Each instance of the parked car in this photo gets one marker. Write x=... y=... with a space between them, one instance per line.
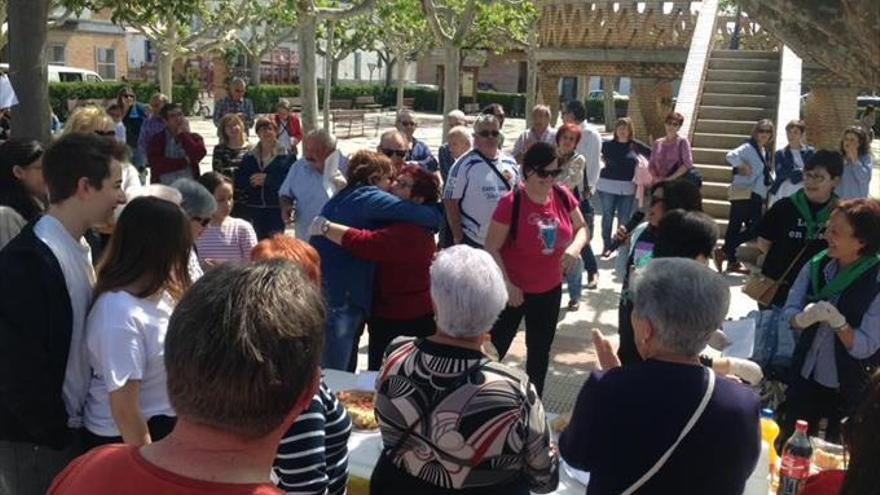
x=599 y=94
x=63 y=73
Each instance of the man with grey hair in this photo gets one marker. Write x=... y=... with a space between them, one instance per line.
x=199 y=204
x=311 y=181
x=476 y=182
x=540 y=131
x=468 y=292
x=395 y=145
x=455 y=118
x=678 y=305
x=419 y=153
x=236 y=103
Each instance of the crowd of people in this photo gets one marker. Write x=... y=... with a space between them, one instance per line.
x=181 y=319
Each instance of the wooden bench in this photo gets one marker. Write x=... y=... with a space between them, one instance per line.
x=367 y=103
x=353 y=121
x=409 y=103
x=340 y=104
x=294 y=102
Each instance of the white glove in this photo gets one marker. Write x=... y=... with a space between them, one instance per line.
x=822 y=311
x=746 y=370
x=808 y=316
x=315 y=226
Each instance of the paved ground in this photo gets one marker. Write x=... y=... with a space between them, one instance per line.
x=572 y=355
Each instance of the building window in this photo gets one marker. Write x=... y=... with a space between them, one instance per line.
x=55 y=54
x=106 y=63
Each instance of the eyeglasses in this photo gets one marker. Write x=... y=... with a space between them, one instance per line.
x=764 y=131
x=202 y=221
x=549 y=173
x=485 y=134
x=408 y=123
x=392 y=153
x=673 y=123
x=106 y=133
x=128 y=95
x=814 y=177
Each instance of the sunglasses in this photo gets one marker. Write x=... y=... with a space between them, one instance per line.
x=486 y=134
x=408 y=123
x=673 y=123
x=128 y=96
x=764 y=131
x=392 y=153
x=106 y=133
x=202 y=221
x=549 y=173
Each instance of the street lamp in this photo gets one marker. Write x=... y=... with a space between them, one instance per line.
x=371 y=67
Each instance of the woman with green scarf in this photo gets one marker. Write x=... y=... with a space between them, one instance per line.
x=834 y=306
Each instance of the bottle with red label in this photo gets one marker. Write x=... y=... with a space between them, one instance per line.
x=796 y=457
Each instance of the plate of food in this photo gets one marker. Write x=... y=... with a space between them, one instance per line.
x=360 y=405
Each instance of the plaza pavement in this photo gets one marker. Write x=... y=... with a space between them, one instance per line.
x=572 y=355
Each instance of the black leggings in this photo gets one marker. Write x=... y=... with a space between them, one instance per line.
x=159 y=426
x=744 y=217
x=382 y=331
x=541 y=312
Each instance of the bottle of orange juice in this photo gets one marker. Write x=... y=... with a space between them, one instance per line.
x=769 y=432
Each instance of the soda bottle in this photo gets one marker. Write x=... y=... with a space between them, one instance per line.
x=769 y=432
x=795 y=461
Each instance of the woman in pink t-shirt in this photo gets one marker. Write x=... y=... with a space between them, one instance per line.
x=536 y=234
x=671 y=156
x=225 y=238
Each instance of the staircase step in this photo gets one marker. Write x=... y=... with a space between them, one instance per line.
x=722 y=228
x=725 y=126
x=716 y=208
x=715 y=173
x=742 y=75
x=744 y=64
x=741 y=88
x=750 y=54
x=739 y=100
x=710 y=156
x=719 y=140
x=715 y=190
x=752 y=114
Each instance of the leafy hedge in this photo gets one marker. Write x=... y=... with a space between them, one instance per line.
x=514 y=103
x=266 y=96
x=185 y=94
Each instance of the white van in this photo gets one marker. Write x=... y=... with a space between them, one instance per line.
x=62 y=73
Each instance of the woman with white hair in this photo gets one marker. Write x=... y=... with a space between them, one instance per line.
x=668 y=410
x=452 y=420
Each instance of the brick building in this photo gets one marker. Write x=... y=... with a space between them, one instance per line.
x=91 y=42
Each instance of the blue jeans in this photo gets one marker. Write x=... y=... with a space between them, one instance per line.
x=620 y=205
x=575 y=282
x=587 y=256
x=343 y=323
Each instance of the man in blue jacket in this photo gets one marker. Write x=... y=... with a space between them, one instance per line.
x=45 y=293
x=348 y=281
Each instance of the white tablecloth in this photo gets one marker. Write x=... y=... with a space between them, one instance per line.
x=364 y=448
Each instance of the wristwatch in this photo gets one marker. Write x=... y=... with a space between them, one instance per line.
x=325 y=227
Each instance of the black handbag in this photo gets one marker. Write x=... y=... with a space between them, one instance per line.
x=692 y=175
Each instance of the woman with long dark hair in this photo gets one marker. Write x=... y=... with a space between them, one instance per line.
x=22 y=190
x=141 y=276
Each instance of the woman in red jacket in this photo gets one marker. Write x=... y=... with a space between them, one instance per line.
x=403 y=253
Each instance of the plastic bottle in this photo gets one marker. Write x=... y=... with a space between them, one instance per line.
x=769 y=432
x=795 y=461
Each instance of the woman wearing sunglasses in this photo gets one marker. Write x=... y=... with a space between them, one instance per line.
x=751 y=162
x=536 y=236
x=671 y=157
x=134 y=114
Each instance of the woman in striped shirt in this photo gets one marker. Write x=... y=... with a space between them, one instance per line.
x=313 y=455
x=225 y=238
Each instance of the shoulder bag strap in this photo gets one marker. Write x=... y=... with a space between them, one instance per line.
x=390 y=451
x=491 y=165
x=514 y=217
x=687 y=428
x=793 y=262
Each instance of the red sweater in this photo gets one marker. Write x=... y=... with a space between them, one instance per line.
x=192 y=144
x=293 y=126
x=403 y=253
x=824 y=483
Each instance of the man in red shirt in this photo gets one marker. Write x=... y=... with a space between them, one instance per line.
x=241 y=355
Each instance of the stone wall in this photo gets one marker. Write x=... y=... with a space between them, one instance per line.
x=829 y=110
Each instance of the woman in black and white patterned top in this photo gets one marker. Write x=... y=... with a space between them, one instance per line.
x=452 y=420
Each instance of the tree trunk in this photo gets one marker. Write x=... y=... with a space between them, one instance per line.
x=167 y=51
x=27 y=63
x=328 y=75
x=610 y=107
x=451 y=78
x=308 y=77
x=389 y=74
x=401 y=77
x=334 y=72
x=531 y=76
x=254 y=63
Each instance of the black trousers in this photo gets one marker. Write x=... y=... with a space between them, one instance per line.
x=626 y=351
x=159 y=426
x=744 y=217
x=810 y=401
x=541 y=312
x=383 y=331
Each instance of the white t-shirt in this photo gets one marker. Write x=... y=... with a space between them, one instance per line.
x=125 y=336
x=478 y=188
x=75 y=258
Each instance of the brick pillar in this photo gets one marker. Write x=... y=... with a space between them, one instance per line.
x=649 y=102
x=829 y=110
x=548 y=94
x=220 y=75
